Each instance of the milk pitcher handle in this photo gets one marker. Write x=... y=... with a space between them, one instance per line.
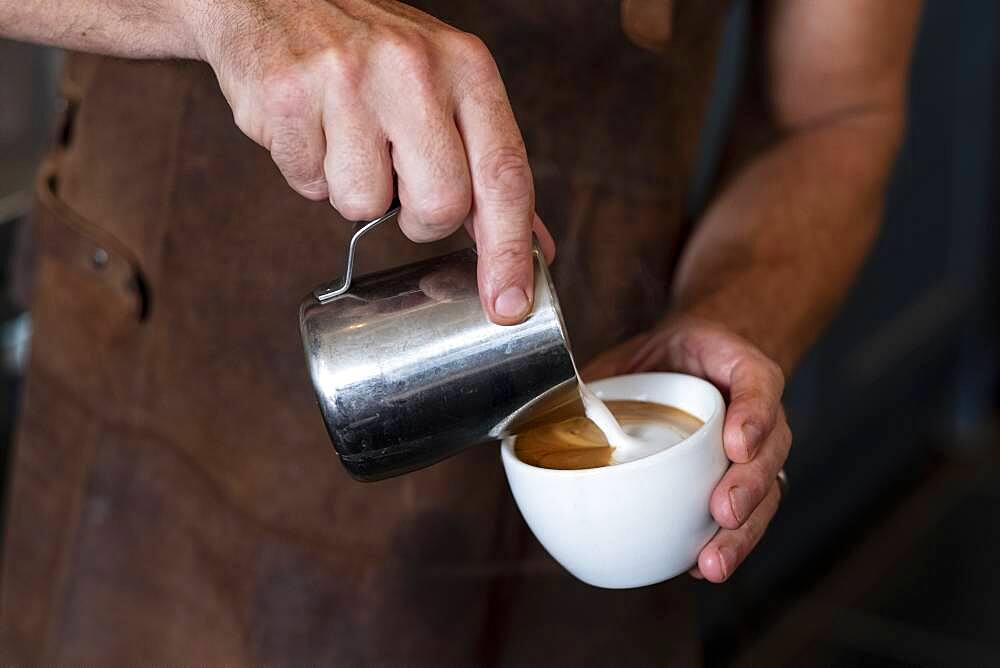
x=332 y=290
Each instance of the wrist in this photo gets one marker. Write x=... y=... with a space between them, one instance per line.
x=204 y=26
x=769 y=339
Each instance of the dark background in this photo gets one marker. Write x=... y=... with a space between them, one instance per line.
x=886 y=549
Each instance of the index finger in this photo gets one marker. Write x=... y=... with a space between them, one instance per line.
x=755 y=388
x=503 y=199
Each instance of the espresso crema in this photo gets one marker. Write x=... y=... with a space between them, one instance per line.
x=567 y=439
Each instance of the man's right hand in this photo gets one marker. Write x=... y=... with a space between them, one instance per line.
x=346 y=93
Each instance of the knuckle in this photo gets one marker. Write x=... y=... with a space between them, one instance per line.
x=443 y=213
x=760 y=478
x=288 y=89
x=470 y=49
x=409 y=54
x=509 y=253
x=422 y=229
x=758 y=490
x=775 y=373
x=342 y=72
x=504 y=175
x=478 y=68
x=416 y=230
x=359 y=206
x=752 y=398
x=691 y=348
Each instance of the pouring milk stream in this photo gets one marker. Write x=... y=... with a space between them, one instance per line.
x=636 y=442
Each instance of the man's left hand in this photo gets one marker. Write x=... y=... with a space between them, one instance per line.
x=756 y=435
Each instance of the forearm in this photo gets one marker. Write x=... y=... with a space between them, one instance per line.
x=146 y=29
x=777 y=251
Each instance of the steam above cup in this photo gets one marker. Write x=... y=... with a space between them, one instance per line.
x=637 y=523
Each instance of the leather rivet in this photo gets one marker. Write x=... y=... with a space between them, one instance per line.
x=100 y=258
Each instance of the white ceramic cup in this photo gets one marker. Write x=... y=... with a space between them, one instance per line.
x=638 y=523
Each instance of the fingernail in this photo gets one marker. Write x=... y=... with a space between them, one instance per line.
x=751 y=437
x=512 y=303
x=727 y=560
x=739 y=500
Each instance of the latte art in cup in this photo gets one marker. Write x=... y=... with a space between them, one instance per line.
x=620 y=525
x=568 y=439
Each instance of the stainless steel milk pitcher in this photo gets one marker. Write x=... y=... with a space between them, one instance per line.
x=408 y=370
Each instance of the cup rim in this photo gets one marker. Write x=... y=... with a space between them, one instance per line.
x=510 y=457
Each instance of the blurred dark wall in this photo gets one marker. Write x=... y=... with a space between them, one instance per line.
x=27 y=105
x=910 y=365
x=27 y=100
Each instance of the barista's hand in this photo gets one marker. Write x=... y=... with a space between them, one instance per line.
x=346 y=93
x=756 y=435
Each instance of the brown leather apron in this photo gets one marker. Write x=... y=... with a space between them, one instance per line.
x=175 y=499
